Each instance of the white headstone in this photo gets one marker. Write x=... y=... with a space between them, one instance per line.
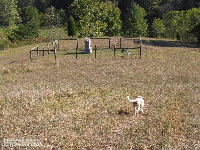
x=88 y=47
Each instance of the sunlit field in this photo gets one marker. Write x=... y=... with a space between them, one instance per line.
x=81 y=103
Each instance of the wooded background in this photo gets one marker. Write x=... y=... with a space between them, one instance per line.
x=176 y=19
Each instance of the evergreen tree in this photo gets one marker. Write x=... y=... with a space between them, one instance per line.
x=71 y=26
x=135 y=24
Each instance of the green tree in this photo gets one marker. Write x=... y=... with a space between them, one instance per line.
x=112 y=15
x=192 y=18
x=89 y=18
x=196 y=32
x=95 y=17
x=158 y=28
x=30 y=21
x=41 y=5
x=52 y=18
x=9 y=15
x=4 y=42
x=172 y=21
x=135 y=24
x=71 y=26
x=24 y=3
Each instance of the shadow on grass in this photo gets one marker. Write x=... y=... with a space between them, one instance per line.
x=122 y=112
x=165 y=43
x=71 y=53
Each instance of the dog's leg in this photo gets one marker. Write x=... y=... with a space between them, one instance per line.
x=142 y=110
x=135 y=111
x=142 y=106
x=138 y=109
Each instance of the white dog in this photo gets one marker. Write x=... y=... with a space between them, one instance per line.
x=137 y=102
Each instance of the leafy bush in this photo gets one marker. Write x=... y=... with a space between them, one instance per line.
x=4 y=42
x=182 y=25
x=158 y=28
x=30 y=22
x=12 y=33
x=196 y=32
x=112 y=15
x=19 y=33
x=96 y=18
x=172 y=22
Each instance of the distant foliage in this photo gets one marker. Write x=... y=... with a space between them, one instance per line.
x=135 y=24
x=9 y=15
x=196 y=32
x=4 y=42
x=52 y=17
x=29 y=26
x=173 y=23
x=86 y=14
x=96 y=18
x=30 y=19
x=112 y=16
x=71 y=26
x=177 y=19
x=158 y=28
x=181 y=25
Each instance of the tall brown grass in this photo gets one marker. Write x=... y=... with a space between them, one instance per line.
x=81 y=103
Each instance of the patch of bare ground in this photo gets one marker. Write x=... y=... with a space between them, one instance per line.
x=81 y=103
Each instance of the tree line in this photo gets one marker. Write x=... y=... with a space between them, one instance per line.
x=179 y=19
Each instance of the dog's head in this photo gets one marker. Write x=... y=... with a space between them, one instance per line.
x=139 y=97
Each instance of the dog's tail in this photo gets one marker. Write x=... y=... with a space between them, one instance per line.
x=132 y=101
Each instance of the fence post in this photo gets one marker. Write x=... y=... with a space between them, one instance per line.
x=48 y=48
x=77 y=43
x=37 y=51
x=109 y=42
x=55 y=53
x=30 y=56
x=95 y=51
x=140 y=48
x=120 y=42
x=76 y=51
x=58 y=46
x=115 y=51
x=43 y=50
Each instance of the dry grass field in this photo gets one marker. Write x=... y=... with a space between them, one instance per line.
x=81 y=103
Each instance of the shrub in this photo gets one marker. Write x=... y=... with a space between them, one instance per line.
x=30 y=19
x=196 y=32
x=4 y=42
x=12 y=33
x=158 y=28
x=18 y=33
x=172 y=23
x=71 y=26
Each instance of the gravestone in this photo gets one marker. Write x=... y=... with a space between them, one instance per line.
x=88 y=47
